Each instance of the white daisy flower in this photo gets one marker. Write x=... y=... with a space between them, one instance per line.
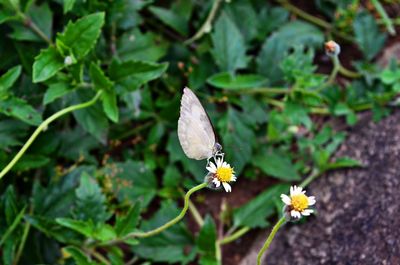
x=298 y=202
x=221 y=173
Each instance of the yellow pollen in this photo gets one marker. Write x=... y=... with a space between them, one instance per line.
x=224 y=174
x=299 y=202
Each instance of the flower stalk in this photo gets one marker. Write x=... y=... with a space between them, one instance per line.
x=270 y=238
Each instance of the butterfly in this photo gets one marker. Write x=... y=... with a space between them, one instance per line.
x=195 y=131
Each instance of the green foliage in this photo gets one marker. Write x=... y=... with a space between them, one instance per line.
x=92 y=180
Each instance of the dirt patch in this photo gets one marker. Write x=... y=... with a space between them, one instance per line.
x=358 y=209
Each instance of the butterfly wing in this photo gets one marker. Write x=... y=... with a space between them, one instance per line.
x=195 y=131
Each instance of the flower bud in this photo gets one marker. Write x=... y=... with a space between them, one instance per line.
x=332 y=48
x=68 y=60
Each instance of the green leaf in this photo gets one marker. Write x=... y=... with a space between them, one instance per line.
x=90 y=203
x=99 y=79
x=236 y=82
x=344 y=162
x=389 y=77
x=30 y=161
x=237 y=139
x=127 y=223
x=52 y=229
x=229 y=50
x=172 y=244
x=277 y=45
x=79 y=257
x=68 y=5
x=42 y=16
x=21 y=110
x=13 y=226
x=8 y=79
x=135 y=45
x=110 y=107
x=170 y=18
x=91 y=119
x=47 y=64
x=206 y=242
x=276 y=165
x=85 y=228
x=132 y=181
x=136 y=73
x=255 y=213
x=55 y=91
x=368 y=37
x=81 y=35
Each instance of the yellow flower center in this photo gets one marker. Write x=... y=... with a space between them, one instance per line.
x=224 y=174
x=299 y=202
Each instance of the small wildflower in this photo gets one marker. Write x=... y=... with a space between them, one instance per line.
x=221 y=173
x=298 y=203
x=332 y=48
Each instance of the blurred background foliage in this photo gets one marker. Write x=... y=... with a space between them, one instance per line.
x=98 y=174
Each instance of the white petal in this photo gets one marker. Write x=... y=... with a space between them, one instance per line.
x=233 y=178
x=311 y=200
x=212 y=170
x=286 y=199
x=227 y=187
x=295 y=214
x=307 y=212
x=219 y=162
x=291 y=190
x=217 y=183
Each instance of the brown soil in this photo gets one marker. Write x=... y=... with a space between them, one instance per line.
x=358 y=209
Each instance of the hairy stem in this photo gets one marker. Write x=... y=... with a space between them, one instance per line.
x=196 y=215
x=235 y=235
x=43 y=126
x=385 y=18
x=270 y=238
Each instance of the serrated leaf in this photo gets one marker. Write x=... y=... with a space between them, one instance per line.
x=276 y=46
x=255 y=212
x=90 y=203
x=226 y=80
x=168 y=246
x=236 y=136
x=99 y=79
x=133 y=181
x=135 y=45
x=55 y=91
x=229 y=50
x=206 y=242
x=47 y=64
x=91 y=119
x=135 y=73
x=21 y=110
x=8 y=79
x=127 y=223
x=170 y=18
x=81 y=36
x=276 y=165
x=110 y=107
x=368 y=37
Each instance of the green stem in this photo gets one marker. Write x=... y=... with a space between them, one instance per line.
x=270 y=238
x=163 y=227
x=314 y=174
x=348 y=73
x=317 y=21
x=196 y=215
x=22 y=244
x=235 y=235
x=30 y=24
x=218 y=252
x=43 y=126
x=207 y=24
x=385 y=18
x=100 y=258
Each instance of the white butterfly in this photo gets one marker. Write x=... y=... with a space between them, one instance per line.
x=195 y=131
